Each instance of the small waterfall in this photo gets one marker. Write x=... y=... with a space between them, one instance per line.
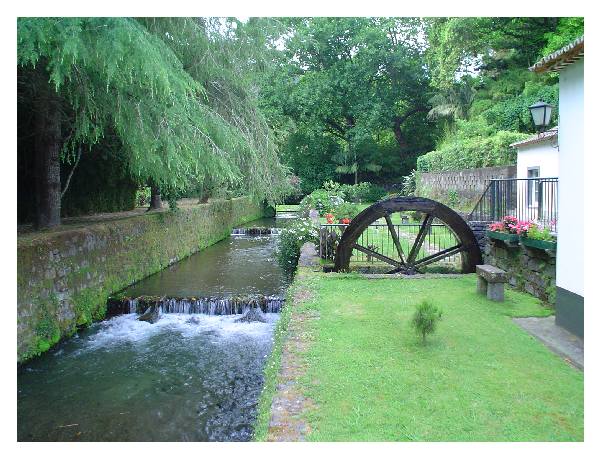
x=191 y=305
x=256 y=231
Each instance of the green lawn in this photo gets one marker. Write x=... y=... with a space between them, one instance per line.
x=479 y=377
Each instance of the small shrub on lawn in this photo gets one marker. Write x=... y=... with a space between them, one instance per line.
x=425 y=319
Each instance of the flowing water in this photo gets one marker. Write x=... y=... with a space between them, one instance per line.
x=188 y=377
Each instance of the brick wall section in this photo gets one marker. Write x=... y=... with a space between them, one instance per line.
x=65 y=278
x=529 y=270
x=469 y=184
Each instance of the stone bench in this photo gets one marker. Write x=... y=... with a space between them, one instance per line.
x=490 y=281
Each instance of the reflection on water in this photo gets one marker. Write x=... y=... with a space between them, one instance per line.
x=239 y=265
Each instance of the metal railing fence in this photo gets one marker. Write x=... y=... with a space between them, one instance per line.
x=527 y=199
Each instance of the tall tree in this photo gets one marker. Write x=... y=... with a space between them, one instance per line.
x=353 y=80
x=47 y=146
x=135 y=78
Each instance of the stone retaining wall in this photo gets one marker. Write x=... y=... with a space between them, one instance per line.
x=530 y=270
x=467 y=185
x=479 y=229
x=64 y=278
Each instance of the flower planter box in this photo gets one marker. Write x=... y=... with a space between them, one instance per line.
x=539 y=244
x=509 y=239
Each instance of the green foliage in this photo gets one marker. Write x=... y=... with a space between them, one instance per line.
x=142 y=196
x=363 y=192
x=567 y=31
x=479 y=68
x=321 y=200
x=534 y=232
x=425 y=318
x=101 y=183
x=339 y=199
x=345 y=210
x=472 y=150
x=291 y=240
x=47 y=333
x=142 y=80
x=353 y=92
x=409 y=184
x=452 y=198
x=513 y=113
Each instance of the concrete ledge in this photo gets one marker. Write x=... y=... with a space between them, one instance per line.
x=556 y=338
x=491 y=274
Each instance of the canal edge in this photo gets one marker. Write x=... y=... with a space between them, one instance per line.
x=282 y=404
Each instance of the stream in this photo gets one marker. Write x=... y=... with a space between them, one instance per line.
x=188 y=377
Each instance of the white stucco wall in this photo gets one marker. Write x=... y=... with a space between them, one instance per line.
x=569 y=271
x=543 y=155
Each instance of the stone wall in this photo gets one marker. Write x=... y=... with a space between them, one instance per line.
x=466 y=186
x=479 y=229
x=64 y=278
x=530 y=270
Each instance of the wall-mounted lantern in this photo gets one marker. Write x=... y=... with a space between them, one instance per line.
x=541 y=113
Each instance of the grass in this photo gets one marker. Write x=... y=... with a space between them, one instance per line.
x=479 y=377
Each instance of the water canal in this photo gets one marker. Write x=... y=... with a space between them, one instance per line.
x=187 y=377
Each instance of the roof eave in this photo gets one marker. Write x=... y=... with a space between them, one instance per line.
x=561 y=58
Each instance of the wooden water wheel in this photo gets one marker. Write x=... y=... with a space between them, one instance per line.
x=410 y=260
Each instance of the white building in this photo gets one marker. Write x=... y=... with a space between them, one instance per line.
x=569 y=263
x=537 y=170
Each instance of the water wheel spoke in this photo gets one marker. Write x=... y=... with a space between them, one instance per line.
x=376 y=255
x=405 y=259
x=423 y=230
x=395 y=238
x=439 y=255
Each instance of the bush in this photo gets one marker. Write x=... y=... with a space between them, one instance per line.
x=425 y=319
x=291 y=240
x=363 y=192
x=474 y=145
x=322 y=200
x=452 y=198
x=142 y=197
x=346 y=210
x=409 y=184
x=536 y=233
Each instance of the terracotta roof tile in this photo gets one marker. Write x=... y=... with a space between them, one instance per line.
x=538 y=138
x=561 y=58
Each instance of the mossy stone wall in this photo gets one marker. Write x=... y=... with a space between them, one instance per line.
x=64 y=278
x=529 y=269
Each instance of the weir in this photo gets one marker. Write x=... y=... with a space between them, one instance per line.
x=250 y=231
x=195 y=374
x=193 y=305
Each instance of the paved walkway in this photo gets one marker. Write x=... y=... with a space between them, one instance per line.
x=557 y=339
x=26 y=231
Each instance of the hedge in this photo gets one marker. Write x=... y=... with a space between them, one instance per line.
x=470 y=153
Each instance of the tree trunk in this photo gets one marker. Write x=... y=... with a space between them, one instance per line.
x=47 y=131
x=155 y=200
x=402 y=143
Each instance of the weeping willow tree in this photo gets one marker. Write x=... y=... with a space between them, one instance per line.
x=171 y=91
